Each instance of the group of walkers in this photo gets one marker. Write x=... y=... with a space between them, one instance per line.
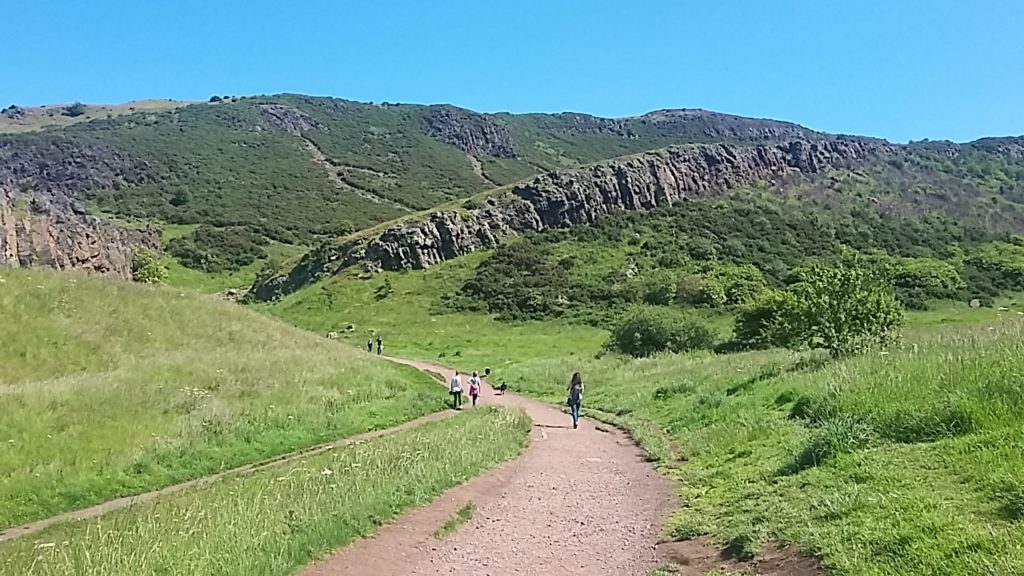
x=380 y=346
x=575 y=389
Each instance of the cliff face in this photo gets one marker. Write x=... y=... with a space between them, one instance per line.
x=42 y=220
x=563 y=199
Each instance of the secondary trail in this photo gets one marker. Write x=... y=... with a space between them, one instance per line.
x=576 y=502
x=129 y=501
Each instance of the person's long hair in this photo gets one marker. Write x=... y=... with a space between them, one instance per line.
x=576 y=380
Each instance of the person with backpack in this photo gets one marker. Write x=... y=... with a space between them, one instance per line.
x=474 y=388
x=575 y=398
x=380 y=346
x=455 y=388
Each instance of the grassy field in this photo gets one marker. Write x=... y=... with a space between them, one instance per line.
x=111 y=388
x=906 y=462
x=280 y=519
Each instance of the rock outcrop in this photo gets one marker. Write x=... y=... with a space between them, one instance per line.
x=471 y=132
x=569 y=198
x=288 y=119
x=43 y=221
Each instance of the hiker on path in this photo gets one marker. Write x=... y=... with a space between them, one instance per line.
x=474 y=388
x=369 y=345
x=455 y=387
x=575 y=398
x=380 y=346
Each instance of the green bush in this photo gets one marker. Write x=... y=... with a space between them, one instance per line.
x=218 y=249
x=764 y=322
x=842 y=306
x=646 y=330
x=146 y=267
x=519 y=282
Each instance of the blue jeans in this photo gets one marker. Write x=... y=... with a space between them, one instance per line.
x=574 y=407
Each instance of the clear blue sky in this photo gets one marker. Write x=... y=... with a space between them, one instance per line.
x=900 y=69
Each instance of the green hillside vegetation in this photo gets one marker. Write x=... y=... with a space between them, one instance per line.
x=277 y=520
x=298 y=169
x=115 y=388
x=900 y=460
x=19 y=119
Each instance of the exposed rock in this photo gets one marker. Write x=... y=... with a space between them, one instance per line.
x=716 y=126
x=564 y=199
x=289 y=119
x=13 y=112
x=43 y=222
x=473 y=133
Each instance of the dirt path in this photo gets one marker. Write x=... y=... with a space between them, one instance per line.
x=128 y=501
x=320 y=158
x=576 y=502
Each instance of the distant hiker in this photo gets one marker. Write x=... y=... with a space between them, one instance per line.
x=369 y=345
x=474 y=388
x=380 y=346
x=575 y=398
x=502 y=388
x=455 y=387
x=487 y=372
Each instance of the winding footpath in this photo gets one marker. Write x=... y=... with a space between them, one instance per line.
x=576 y=502
x=580 y=501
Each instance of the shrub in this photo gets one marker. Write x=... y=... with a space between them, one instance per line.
x=75 y=110
x=218 y=249
x=146 y=267
x=645 y=331
x=842 y=307
x=519 y=281
x=764 y=322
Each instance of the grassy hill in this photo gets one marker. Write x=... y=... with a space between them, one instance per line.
x=113 y=388
x=296 y=169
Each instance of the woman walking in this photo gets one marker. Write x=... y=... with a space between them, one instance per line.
x=575 y=398
x=474 y=388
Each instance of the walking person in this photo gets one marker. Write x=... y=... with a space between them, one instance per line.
x=575 y=398
x=474 y=388
x=380 y=346
x=369 y=345
x=455 y=387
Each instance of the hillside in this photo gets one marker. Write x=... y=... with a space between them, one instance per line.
x=291 y=169
x=113 y=388
x=980 y=183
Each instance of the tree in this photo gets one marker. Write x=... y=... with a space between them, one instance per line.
x=647 y=330
x=842 y=306
x=146 y=267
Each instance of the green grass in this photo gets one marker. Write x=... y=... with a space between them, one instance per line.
x=412 y=325
x=463 y=515
x=180 y=276
x=111 y=388
x=280 y=519
x=902 y=463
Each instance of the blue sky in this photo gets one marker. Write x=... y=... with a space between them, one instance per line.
x=900 y=69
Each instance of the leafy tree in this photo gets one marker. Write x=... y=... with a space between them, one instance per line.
x=146 y=267
x=842 y=306
x=646 y=330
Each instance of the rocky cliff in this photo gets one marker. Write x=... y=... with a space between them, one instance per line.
x=563 y=199
x=43 y=222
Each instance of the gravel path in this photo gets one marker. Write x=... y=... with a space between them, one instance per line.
x=576 y=502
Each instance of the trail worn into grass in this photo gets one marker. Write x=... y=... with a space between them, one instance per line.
x=579 y=501
x=128 y=501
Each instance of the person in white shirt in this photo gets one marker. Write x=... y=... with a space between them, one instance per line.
x=455 y=387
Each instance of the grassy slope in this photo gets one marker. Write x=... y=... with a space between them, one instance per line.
x=111 y=388
x=934 y=489
x=280 y=519
x=43 y=117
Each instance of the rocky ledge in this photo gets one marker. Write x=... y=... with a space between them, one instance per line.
x=43 y=222
x=563 y=199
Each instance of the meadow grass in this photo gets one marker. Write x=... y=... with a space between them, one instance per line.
x=277 y=520
x=110 y=388
x=902 y=462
